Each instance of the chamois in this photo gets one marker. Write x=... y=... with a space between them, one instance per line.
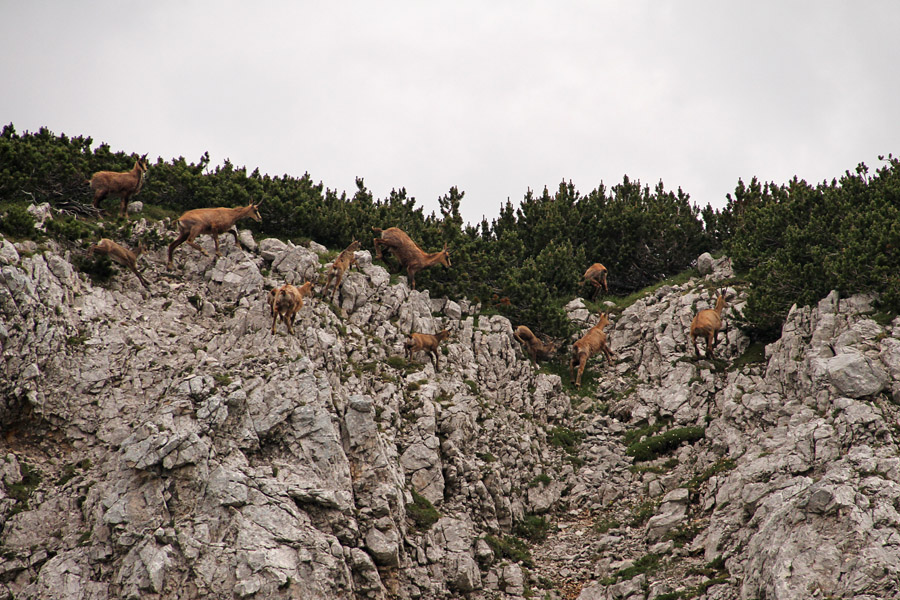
x=287 y=301
x=407 y=252
x=596 y=276
x=121 y=255
x=213 y=221
x=125 y=184
x=707 y=323
x=534 y=346
x=344 y=261
x=426 y=342
x=593 y=341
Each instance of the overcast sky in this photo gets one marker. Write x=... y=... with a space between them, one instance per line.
x=492 y=97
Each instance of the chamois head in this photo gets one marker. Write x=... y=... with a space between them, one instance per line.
x=721 y=300
x=445 y=257
x=253 y=211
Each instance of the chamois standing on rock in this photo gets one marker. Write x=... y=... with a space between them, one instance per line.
x=593 y=341
x=707 y=323
x=121 y=255
x=286 y=301
x=596 y=276
x=123 y=184
x=213 y=221
x=413 y=258
x=426 y=342
x=344 y=261
x=533 y=345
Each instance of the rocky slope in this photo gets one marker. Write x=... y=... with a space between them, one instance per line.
x=165 y=444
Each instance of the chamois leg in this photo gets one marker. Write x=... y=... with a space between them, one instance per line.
x=190 y=241
x=337 y=285
x=141 y=277
x=215 y=238
x=233 y=231
x=412 y=277
x=582 y=363
x=180 y=240
x=98 y=196
x=274 y=319
x=434 y=356
x=608 y=353
x=378 y=243
x=123 y=207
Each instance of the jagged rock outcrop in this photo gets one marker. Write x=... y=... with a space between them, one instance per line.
x=165 y=444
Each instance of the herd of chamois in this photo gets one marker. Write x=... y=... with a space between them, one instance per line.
x=287 y=300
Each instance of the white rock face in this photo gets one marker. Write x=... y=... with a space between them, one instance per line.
x=183 y=451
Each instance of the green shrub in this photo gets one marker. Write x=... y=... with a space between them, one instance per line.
x=654 y=446
x=22 y=490
x=533 y=528
x=797 y=242
x=422 y=512
x=16 y=221
x=510 y=547
x=565 y=438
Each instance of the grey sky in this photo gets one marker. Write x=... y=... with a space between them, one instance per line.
x=492 y=97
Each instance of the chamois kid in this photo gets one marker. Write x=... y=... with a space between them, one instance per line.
x=121 y=255
x=707 y=324
x=593 y=341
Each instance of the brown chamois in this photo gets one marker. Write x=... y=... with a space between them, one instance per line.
x=596 y=276
x=426 y=342
x=213 y=221
x=113 y=183
x=593 y=341
x=287 y=301
x=533 y=345
x=344 y=261
x=121 y=255
x=407 y=252
x=707 y=323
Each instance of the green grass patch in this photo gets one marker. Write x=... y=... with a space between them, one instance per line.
x=222 y=379
x=486 y=457
x=754 y=354
x=422 y=512
x=645 y=565
x=560 y=367
x=69 y=471
x=21 y=491
x=78 y=339
x=633 y=435
x=652 y=447
x=606 y=524
x=641 y=513
x=542 y=479
x=510 y=547
x=533 y=528
x=720 y=466
x=565 y=438
x=623 y=302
